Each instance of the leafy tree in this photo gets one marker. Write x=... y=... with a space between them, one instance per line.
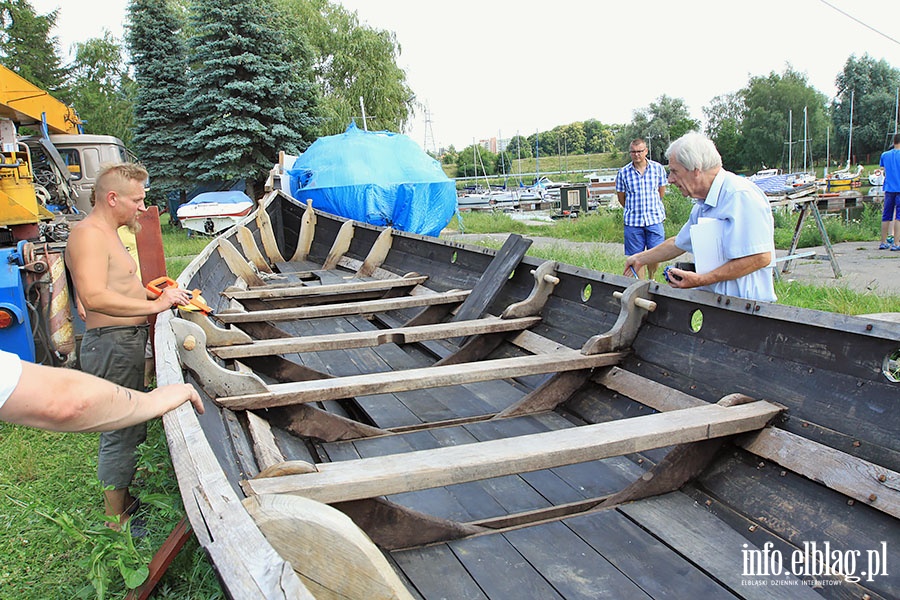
x=352 y=61
x=250 y=98
x=573 y=137
x=724 y=118
x=451 y=156
x=475 y=161
x=873 y=84
x=664 y=120
x=598 y=137
x=769 y=102
x=27 y=48
x=103 y=88
x=519 y=147
x=161 y=122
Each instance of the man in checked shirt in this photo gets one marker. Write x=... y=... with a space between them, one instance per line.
x=640 y=186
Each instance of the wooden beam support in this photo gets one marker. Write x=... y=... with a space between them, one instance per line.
x=377 y=253
x=548 y=395
x=265 y=449
x=625 y=329
x=251 y=250
x=215 y=335
x=306 y=420
x=215 y=379
x=335 y=289
x=238 y=265
x=339 y=247
x=307 y=233
x=414 y=379
x=343 y=309
x=393 y=527
x=495 y=277
x=545 y=280
x=367 y=339
x=400 y=473
x=266 y=234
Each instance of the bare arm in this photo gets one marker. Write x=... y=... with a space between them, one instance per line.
x=67 y=400
x=621 y=197
x=662 y=192
x=733 y=269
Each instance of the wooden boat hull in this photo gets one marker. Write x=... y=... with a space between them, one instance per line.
x=502 y=426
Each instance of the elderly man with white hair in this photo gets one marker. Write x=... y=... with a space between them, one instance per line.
x=747 y=227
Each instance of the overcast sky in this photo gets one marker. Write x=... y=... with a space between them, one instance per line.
x=491 y=68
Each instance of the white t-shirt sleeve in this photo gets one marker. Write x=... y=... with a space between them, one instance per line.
x=10 y=372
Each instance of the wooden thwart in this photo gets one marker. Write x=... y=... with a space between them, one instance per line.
x=343 y=309
x=395 y=474
x=323 y=290
x=365 y=339
x=416 y=379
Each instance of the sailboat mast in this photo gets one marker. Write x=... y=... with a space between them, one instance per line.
x=850 y=137
x=805 y=137
x=790 y=168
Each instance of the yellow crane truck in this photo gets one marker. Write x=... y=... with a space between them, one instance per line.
x=46 y=180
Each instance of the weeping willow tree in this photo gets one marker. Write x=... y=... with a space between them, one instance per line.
x=352 y=61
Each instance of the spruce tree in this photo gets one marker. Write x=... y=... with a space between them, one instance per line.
x=248 y=96
x=161 y=121
x=27 y=47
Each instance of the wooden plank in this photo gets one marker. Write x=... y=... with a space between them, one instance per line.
x=371 y=477
x=631 y=550
x=494 y=278
x=437 y=573
x=501 y=571
x=646 y=391
x=416 y=379
x=322 y=290
x=557 y=552
x=713 y=546
x=160 y=562
x=364 y=339
x=350 y=308
x=859 y=479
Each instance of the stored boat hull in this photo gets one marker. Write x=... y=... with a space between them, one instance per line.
x=442 y=477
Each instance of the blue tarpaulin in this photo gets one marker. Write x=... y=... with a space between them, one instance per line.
x=377 y=177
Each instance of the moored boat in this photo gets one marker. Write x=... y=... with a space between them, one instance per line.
x=212 y=212
x=390 y=415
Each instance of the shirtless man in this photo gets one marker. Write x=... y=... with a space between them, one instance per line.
x=116 y=306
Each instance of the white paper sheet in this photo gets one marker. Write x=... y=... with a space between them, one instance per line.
x=708 y=241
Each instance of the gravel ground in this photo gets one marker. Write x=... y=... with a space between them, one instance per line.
x=863 y=267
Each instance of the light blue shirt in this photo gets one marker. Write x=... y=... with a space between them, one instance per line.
x=890 y=162
x=643 y=206
x=749 y=229
x=10 y=372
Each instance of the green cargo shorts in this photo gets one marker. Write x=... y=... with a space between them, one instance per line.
x=117 y=355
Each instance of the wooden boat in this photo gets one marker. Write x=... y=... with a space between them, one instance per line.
x=396 y=416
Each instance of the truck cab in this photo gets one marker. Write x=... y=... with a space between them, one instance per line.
x=82 y=155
